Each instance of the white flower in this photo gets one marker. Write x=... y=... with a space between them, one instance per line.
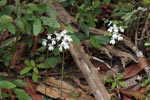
x=58 y=36
x=112 y=41
x=64 y=45
x=67 y=38
x=120 y=37
x=109 y=23
x=63 y=32
x=115 y=36
x=53 y=41
x=115 y=28
x=60 y=48
x=50 y=47
x=44 y=42
x=110 y=29
x=121 y=29
x=49 y=36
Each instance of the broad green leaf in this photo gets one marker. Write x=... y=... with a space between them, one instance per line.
x=32 y=63
x=114 y=84
x=20 y=25
x=56 y=51
x=21 y=94
x=52 y=61
x=51 y=22
x=80 y=36
x=42 y=66
x=119 y=76
x=27 y=62
x=7 y=84
x=35 y=70
x=102 y=39
x=3 y=2
x=109 y=80
x=19 y=83
x=51 y=12
x=95 y=43
x=28 y=27
x=5 y=19
x=84 y=28
x=75 y=39
x=70 y=29
x=11 y=28
x=37 y=26
x=25 y=70
x=7 y=42
x=122 y=84
x=2 y=27
x=35 y=77
x=7 y=10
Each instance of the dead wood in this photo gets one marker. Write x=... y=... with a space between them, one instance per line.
x=51 y=87
x=82 y=59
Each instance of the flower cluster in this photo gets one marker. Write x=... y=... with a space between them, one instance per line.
x=114 y=29
x=61 y=40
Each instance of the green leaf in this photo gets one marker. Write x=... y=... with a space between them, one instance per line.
x=35 y=77
x=21 y=94
x=25 y=70
x=119 y=76
x=122 y=84
x=147 y=44
x=5 y=19
x=84 y=28
x=70 y=29
x=11 y=28
x=35 y=70
x=109 y=80
x=7 y=42
x=75 y=39
x=27 y=62
x=7 y=10
x=32 y=63
x=51 y=22
x=95 y=43
x=42 y=66
x=80 y=36
x=37 y=26
x=20 y=25
x=7 y=84
x=3 y=2
x=52 y=61
x=114 y=84
x=19 y=83
x=103 y=39
x=51 y=12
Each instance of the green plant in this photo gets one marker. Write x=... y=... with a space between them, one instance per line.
x=115 y=82
x=30 y=65
x=87 y=11
x=145 y=83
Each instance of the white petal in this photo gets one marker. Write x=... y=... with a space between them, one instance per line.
x=49 y=36
x=109 y=23
x=63 y=32
x=53 y=42
x=112 y=41
x=110 y=29
x=60 y=48
x=114 y=36
x=44 y=42
x=50 y=47
x=120 y=38
x=68 y=38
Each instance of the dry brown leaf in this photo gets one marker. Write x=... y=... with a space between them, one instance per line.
x=134 y=69
x=35 y=45
x=30 y=88
x=17 y=55
x=132 y=93
x=4 y=35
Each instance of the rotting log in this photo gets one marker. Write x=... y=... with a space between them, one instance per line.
x=82 y=59
x=91 y=75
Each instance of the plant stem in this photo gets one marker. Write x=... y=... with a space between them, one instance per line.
x=62 y=75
